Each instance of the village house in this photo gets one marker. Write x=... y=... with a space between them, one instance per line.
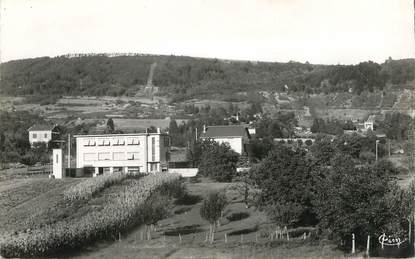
x=42 y=133
x=132 y=153
x=368 y=124
x=236 y=136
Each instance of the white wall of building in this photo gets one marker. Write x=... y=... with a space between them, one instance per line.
x=43 y=136
x=129 y=151
x=236 y=143
x=57 y=167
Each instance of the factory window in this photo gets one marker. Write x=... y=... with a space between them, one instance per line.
x=118 y=142
x=133 y=156
x=104 y=156
x=119 y=155
x=133 y=141
x=89 y=142
x=153 y=149
x=90 y=156
x=103 y=142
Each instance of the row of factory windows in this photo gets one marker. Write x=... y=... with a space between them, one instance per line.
x=106 y=142
x=118 y=142
x=115 y=156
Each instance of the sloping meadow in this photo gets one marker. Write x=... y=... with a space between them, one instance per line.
x=121 y=213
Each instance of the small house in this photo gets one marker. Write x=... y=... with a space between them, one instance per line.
x=236 y=136
x=42 y=133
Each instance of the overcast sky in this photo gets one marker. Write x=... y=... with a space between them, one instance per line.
x=318 y=31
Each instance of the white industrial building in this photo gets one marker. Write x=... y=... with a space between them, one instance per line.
x=136 y=152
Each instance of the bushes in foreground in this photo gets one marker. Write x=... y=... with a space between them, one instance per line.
x=117 y=216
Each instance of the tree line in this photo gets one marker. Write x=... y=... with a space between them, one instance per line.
x=184 y=77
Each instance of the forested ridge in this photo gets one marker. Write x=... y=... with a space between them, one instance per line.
x=182 y=77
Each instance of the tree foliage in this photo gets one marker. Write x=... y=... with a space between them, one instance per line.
x=355 y=199
x=212 y=209
x=217 y=161
x=185 y=77
x=284 y=178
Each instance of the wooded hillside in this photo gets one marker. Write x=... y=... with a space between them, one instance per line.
x=186 y=77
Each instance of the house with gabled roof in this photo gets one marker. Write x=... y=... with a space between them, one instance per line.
x=42 y=133
x=236 y=136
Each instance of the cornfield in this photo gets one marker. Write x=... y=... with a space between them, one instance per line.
x=114 y=218
x=87 y=188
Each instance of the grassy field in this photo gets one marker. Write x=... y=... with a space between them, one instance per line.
x=247 y=232
x=31 y=203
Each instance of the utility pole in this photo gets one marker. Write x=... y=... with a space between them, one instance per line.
x=389 y=147
x=377 y=142
x=196 y=134
x=69 y=150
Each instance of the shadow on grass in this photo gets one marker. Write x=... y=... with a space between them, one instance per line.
x=188 y=199
x=182 y=210
x=237 y=216
x=243 y=231
x=184 y=230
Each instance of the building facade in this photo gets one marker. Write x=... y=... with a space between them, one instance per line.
x=236 y=136
x=108 y=153
x=42 y=134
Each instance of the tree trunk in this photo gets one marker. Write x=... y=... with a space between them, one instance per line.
x=148 y=231
x=213 y=235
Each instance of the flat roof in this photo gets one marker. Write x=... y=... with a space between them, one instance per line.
x=118 y=135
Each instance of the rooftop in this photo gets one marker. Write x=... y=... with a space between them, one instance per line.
x=118 y=135
x=42 y=127
x=225 y=131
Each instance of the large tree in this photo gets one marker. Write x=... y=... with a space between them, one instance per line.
x=354 y=199
x=284 y=179
x=217 y=161
x=212 y=209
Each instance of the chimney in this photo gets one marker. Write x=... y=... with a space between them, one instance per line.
x=204 y=128
x=158 y=130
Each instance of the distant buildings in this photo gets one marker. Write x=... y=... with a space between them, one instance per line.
x=42 y=133
x=369 y=124
x=108 y=153
x=236 y=136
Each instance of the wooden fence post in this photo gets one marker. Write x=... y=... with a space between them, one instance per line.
x=242 y=238
x=353 y=245
x=256 y=237
x=226 y=238
x=180 y=238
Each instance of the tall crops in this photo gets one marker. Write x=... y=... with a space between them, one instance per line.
x=117 y=216
x=87 y=188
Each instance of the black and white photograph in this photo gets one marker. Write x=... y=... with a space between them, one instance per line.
x=207 y=129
